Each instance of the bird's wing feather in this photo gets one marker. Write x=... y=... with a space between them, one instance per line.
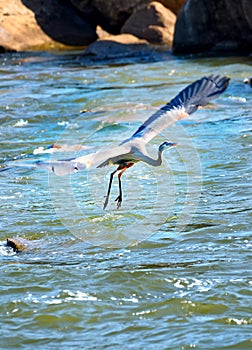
x=102 y=157
x=186 y=102
x=69 y=166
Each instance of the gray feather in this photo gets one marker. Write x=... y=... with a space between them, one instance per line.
x=199 y=93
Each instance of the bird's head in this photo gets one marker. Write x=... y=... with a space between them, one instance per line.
x=166 y=145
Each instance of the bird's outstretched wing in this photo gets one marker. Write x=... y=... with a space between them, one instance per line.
x=63 y=167
x=186 y=102
x=69 y=166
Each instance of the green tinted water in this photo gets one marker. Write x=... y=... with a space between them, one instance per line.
x=187 y=282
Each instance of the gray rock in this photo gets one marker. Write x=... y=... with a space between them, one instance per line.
x=117 y=46
x=113 y=13
x=153 y=22
x=214 y=26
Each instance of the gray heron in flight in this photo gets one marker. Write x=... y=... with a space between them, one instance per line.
x=133 y=150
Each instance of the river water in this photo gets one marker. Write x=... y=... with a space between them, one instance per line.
x=171 y=269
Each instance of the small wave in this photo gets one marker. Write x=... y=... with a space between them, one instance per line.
x=5 y=250
x=20 y=123
x=238 y=98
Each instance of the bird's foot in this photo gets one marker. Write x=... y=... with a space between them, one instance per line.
x=119 y=201
x=106 y=202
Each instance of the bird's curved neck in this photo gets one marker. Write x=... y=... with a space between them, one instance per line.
x=153 y=161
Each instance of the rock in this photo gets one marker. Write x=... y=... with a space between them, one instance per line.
x=117 y=46
x=87 y=10
x=153 y=22
x=222 y=26
x=36 y=24
x=113 y=13
x=21 y=244
x=173 y=5
x=101 y=33
x=83 y=6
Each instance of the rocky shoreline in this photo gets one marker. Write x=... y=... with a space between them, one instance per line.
x=127 y=28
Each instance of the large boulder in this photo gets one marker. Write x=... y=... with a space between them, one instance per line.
x=214 y=26
x=84 y=6
x=38 y=24
x=87 y=10
x=152 y=22
x=173 y=5
x=113 y=13
x=117 y=46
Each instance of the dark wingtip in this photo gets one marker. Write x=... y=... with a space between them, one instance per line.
x=226 y=83
x=221 y=83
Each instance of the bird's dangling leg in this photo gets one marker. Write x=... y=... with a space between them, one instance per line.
x=109 y=188
x=119 y=198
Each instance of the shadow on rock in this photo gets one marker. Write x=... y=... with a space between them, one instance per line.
x=62 y=22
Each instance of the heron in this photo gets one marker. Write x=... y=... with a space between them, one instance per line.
x=133 y=149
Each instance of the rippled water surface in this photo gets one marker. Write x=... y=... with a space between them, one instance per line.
x=171 y=269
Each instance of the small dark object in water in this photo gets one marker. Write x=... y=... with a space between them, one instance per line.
x=248 y=81
x=19 y=244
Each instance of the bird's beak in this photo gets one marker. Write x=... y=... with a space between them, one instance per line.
x=173 y=144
